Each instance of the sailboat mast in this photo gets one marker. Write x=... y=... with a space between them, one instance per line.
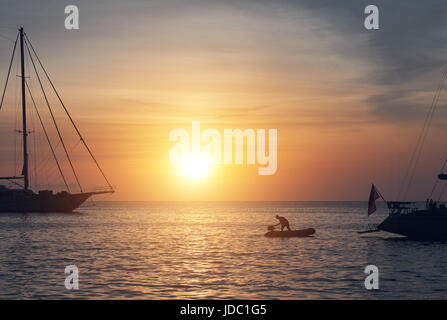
x=24 y=131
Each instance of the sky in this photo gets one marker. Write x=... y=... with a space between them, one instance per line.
x=348 y=103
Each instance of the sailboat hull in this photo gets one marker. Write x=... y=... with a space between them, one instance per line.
x=420 y=225
x=45 y=201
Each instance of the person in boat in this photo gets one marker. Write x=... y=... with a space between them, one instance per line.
x=283 y=222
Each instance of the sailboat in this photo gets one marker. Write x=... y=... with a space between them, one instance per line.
x=407 y=218
x=24 y=199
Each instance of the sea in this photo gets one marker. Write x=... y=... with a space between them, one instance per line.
x=212 y=250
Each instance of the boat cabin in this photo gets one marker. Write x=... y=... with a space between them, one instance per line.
x=401 y=207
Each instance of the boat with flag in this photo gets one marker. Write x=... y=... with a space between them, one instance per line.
x=416 y=220
x=23 y=198
x=407 y=219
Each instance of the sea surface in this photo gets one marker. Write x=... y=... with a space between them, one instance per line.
x=131 y=250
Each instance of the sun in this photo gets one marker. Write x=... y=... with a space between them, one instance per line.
x=196 y=166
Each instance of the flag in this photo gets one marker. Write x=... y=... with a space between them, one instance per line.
x=373 y=196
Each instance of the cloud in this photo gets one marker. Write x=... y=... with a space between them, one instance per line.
x=407 y=53
x=405 y=57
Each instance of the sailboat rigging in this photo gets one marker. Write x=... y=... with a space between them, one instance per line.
x=25 y=199
x=405 y=218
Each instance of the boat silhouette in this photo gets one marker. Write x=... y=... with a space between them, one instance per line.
x=406 y=218
x=290 y=233
x=24 y=199
x=421 y=224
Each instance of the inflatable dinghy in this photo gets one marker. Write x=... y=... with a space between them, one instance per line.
x=292 y=233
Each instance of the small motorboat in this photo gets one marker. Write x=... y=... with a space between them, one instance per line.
x=290 y=233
